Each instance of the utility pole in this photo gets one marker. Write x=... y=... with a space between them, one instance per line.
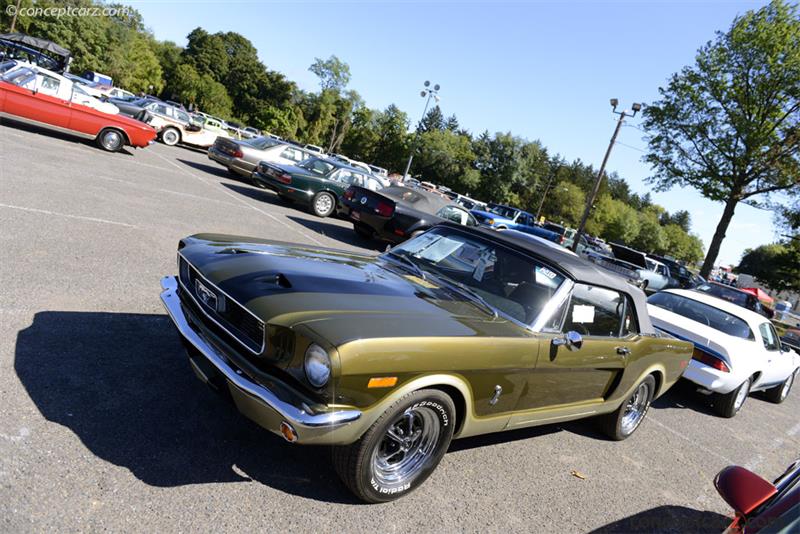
x=14 y=18
x=590 y=201
x=430 y=93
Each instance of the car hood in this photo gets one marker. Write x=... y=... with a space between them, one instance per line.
x=629 y=255
x=343 y=296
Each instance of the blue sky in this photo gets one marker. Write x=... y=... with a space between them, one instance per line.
x=542 y=70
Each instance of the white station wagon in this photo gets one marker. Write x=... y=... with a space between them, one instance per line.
x=736 y=351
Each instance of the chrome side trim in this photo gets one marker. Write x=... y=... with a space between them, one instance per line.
x=292 y=414
x=200 y=307
x=48 y=126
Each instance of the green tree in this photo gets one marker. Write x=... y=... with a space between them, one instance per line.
x=776 y=265
x=728 y=125
x=650 y=237
x=333 y=73
x=565 y=204
x=134 y=64
x=446 y=158
x=433 y=120
x=681 y=245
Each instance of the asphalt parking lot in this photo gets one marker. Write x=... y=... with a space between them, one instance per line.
x=104 y=427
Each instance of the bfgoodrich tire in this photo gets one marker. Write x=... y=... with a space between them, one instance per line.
x=624 y=421
x=401 y=449
x=729 y=404
x=779 y=393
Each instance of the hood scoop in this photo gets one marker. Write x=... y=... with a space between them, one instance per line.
x=276 y=279
x=233 y=250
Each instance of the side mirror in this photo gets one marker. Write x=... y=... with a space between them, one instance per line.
x=572 y=340
x=743 y=490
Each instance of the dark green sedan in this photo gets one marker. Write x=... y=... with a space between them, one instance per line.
x=316 y=182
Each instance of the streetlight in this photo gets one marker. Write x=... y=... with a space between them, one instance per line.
x=429 y=93
x=636 y=107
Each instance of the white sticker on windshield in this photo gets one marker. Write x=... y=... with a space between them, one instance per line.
x=582 y=314
x=440 y=249
x=544 y=277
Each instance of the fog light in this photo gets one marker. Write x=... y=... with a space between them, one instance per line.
x=288 y=432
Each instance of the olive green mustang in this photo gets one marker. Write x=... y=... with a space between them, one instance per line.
x=458 y=332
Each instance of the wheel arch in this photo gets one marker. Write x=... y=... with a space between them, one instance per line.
x=454 y=386
x=125 y=136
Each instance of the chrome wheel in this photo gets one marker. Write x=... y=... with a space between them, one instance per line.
x=787 y=386
x=111 y=140
x=323 y=204
x=635 y=409
x=407 y=445
x=744 y=391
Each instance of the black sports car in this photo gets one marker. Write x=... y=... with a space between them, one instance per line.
x=396 y=213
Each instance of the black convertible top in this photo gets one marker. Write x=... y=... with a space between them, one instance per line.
x=415 y=198
x=577 y=268
x=35 y=42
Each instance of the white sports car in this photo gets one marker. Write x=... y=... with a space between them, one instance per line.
x=736 y=352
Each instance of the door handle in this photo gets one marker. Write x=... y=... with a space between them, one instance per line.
x=623 y=351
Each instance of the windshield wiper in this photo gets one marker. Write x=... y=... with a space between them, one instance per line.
x=408 y=262
x=469 y=292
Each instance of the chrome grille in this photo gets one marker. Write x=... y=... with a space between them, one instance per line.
x=232 y=317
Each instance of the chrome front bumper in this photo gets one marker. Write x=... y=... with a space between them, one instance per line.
x=254 y=400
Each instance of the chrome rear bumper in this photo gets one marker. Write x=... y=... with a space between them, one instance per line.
x=254 y=400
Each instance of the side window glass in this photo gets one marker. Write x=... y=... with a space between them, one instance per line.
x=768 y=336
x=452 y=214
x=49 y=85
x=595 y=311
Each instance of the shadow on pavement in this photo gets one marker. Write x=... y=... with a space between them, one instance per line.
x=684 y=395
x=212 y=168
x=256 y=193
x=344 y=234
x=668 y=519
x=122 y=384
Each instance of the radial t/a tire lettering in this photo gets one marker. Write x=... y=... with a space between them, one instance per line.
x=401 y=449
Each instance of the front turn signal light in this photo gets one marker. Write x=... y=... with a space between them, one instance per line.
x=382 y=382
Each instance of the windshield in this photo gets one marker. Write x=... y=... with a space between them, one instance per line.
x=317 y=166
x=504 y=211
x=731 y=295
x=19 y=77
x=512 y=284
x=702 y=313
x=262 y=142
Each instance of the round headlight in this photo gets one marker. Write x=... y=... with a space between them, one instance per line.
x=317 y=365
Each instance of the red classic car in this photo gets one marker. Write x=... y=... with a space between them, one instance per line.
x=34 y=95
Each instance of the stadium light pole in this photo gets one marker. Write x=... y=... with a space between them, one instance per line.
x=590 y=201
x=429 y=93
